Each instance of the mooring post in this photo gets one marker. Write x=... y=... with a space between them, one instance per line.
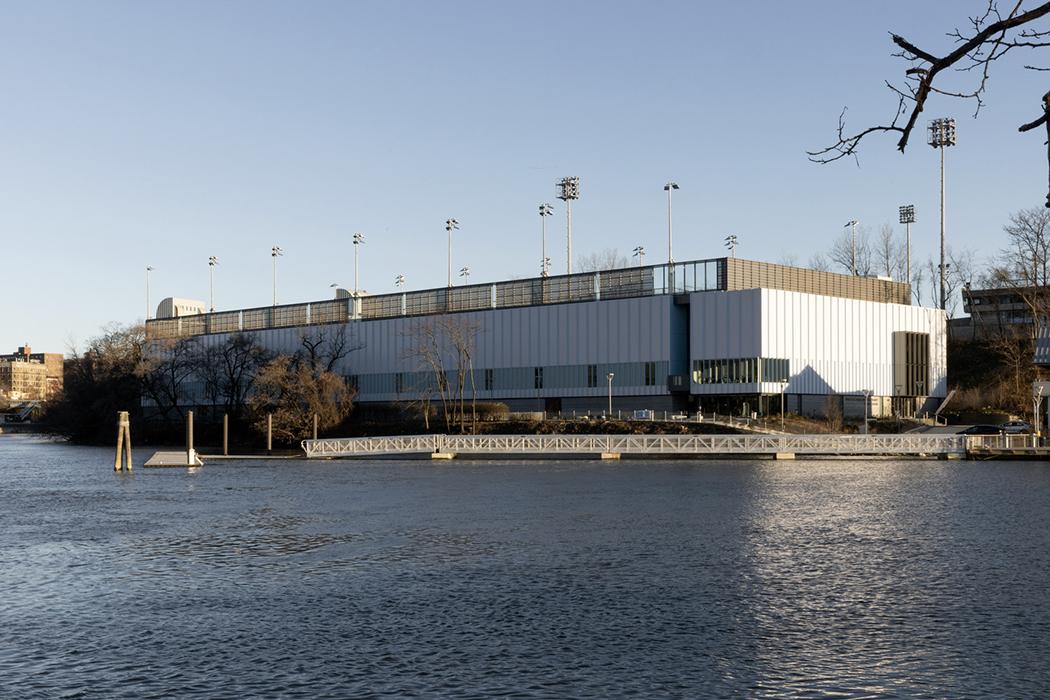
x=189 y=439
x=123 y=441
x=269 y=433
x=225 y=434
x=315 y=426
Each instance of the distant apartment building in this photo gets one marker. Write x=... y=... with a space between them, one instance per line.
x=29 y=376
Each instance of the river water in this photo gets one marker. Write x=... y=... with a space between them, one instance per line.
x=548 y=579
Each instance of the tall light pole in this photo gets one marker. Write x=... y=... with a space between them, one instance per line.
x=670 y=187
x=545 y=262
x=907 y=212
x=274 y=252
x=852 y=224
x=568 y=190
x=149 y=269
x=359 y=239
x=941 y=134
x=399 y=282
x=450 y=226
x=610 y=376
x=639 y=252
x=730 y=242
x=464 y=272
x=212 y=262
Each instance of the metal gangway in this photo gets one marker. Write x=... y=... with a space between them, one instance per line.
x=615 y=446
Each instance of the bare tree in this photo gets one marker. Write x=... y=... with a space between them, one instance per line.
x=229 y=369
x=818 y=261
x=961 y=268
x=889 y=254
x=166 y=369
x=293 y=393
x=989 y=37
x=841 y=253
x=323 y=347
x=608 y=259
x=444 y=347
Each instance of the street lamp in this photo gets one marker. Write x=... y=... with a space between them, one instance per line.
x=568 y=190
x=212 y=262
x=907 y=213
x=852 y=224
x=730 y=242
x=450 y=225
x=274 y=252
x=941 y=134
x=610 y=376
x=639 y=252
x=149 y=269
x=359 y=238
x=669 y=187
x=545 y=262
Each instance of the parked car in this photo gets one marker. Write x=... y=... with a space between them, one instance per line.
x=982 y=430
x=1016 y=426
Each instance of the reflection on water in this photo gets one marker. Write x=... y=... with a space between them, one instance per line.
x=554 y=579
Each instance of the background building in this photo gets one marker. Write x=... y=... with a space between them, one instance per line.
x=723 y=334
x=29 y=376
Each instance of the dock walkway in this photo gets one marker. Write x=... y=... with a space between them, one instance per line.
x=614 y=446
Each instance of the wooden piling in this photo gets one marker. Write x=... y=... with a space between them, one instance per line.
x=225 y=434
x=123 y=441
x=189 y=438
x=315 y=426
x=269 y=433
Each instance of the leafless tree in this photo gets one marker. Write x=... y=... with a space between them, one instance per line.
x=444 y=347
x=961 y=268
x=608 y=259
x=818 y=261
x=323 y=347
x=166 y=369
x=841 y=253
x=229 y=369
x=990 y=36
x=890 y=254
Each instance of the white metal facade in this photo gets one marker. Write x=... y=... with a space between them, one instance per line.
x=834 y=345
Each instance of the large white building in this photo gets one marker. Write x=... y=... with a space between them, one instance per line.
x=704 y=335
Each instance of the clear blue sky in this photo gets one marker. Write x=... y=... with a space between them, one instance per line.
x=136 y=134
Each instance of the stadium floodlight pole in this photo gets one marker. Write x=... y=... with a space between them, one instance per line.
x=941 y=134
x=450 y=225
x=399 y=281
x=639 y=252
x=670 y=187
x=730 y=242
x=545 y=262
x=212 y=262
x=610 y=378
x=907 y=212
x=852 y=224
x=359 y=238
x=274 y=252
x=149 y=269
x=464 y=272
x=568 y=190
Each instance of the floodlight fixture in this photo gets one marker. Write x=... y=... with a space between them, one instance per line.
x=670 y=187
x=941 y=134
x=399 y=281
x=730 y=242
x=568 y=190
x=275 y=251
x=450 y=226
x=149 y=269
x=907 y=217
x=212 y=262
x=852 y=224
x=639 y=252
x=464 y=272
x=359 y=239
x=545 y=211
